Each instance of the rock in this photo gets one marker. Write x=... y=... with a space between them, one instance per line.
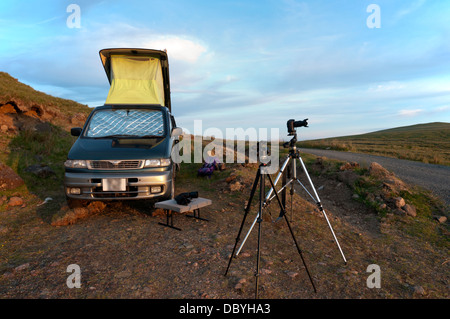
x=410 y=210
x=292 y=274
x=440 y=219
x=230 y=178
x=3 y=230
x=8 y=178
x=349 y=166
x=266 y=271
x=355 y=196
x=378 y=171
x=399 y=202
x=419 y=290
x=22 y=267
x=235 y=187
x=96 y=207
x=15 y=201
x=4 y=128
x=8 y=108
x=78 y=118
x=42 y=171
x=71 y=216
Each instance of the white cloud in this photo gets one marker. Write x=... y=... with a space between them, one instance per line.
x=178 y=48
x=410 y=113
x=387 y=86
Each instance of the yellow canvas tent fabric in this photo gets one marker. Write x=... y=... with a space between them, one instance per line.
x=135 y=80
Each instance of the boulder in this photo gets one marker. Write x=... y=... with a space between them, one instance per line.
x=441 y=219
x=15 y=201
x=378 y=171
x=235 y=186
x=410 y=210
x=399 y=202
x=8 y=178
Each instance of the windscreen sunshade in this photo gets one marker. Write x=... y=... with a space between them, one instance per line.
x=135 y=80
x=126 y=123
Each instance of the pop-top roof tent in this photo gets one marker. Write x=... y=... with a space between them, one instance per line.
x=137 y=76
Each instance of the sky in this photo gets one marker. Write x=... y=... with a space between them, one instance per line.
x=350 y=66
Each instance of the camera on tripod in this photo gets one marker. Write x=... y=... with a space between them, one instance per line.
x=185 y=198
x=292 y=124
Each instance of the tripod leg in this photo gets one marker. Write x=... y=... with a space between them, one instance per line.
x=247 y=209
x=300 y=253
x=280 y=173
x=283 y=193
x=319 y=204
x=292 y=234
x=258 y=255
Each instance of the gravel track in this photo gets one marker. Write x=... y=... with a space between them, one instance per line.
x=435 y=178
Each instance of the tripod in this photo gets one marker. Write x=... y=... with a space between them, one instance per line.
x=290 y=159
x=260 y=179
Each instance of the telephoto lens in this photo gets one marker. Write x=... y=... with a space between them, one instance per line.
x=193 y=194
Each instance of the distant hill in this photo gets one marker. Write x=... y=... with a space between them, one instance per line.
x=429 y=143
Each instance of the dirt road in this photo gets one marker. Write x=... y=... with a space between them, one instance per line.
x=429 y=176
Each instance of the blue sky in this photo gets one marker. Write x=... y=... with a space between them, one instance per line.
x=249 y=63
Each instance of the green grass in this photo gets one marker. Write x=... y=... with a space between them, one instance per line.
x=428 y=143
x=47 y=148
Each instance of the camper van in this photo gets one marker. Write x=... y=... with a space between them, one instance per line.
x=123 y=152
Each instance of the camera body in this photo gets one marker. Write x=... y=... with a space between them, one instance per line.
x=292 y=124
x=185 y=198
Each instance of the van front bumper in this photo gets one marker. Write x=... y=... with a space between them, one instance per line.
x=117 y=185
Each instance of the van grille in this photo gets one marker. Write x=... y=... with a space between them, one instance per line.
x=112 y=165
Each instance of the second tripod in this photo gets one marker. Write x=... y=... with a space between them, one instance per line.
x=288 y=168
x=260 y=179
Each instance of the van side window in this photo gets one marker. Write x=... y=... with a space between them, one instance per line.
x=173 y=123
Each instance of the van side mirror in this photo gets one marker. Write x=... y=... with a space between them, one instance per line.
x=75 y=131
x=177 y=131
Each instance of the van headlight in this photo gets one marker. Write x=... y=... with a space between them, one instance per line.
x=157 y=162
x=75 y=164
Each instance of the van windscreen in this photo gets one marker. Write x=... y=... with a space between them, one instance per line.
x=126 y=123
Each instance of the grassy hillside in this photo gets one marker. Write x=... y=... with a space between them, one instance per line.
x=428 y=143
x=13 y=90
x=35 y=131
